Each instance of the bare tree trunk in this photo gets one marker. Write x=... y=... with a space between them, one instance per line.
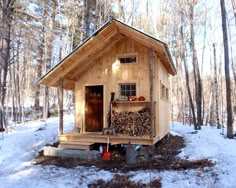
x=178 y=81
x=40 y=58
x=234 y=9
x=196 y=71
x=121 y=15
x=222 y=95
x=211 y=106
x=13 y=110
x=227 y=72
x=216 y=90
x=49 y=55
x=17 y=82
x=5 y=37
x=187 y=76
x=203 y=55
x=233 y=65
x=85 y=20
x=104 y=10
x=23 y=83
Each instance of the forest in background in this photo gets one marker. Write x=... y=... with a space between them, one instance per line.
x=201 y=34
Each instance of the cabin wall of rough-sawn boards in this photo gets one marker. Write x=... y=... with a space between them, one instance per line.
x=107 y=71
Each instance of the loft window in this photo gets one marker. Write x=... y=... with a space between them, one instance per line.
x=128 y=90
x=129 y=59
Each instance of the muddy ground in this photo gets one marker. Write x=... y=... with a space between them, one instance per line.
x=162 y=156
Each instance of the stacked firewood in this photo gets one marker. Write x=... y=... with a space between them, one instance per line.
x=132 y=123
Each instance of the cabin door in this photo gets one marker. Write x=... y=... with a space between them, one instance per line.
x=93 y=108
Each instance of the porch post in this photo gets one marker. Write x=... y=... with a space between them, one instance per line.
x=151 y=77
x=60 y=101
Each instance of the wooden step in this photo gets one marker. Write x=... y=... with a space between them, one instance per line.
x=76 y=145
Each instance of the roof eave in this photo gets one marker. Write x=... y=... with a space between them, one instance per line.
x=43 y=81
x=39 y=81
x=171 y=60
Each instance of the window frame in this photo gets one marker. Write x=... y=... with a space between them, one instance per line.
x=130 y=90
x=164 y=92
x=127 y=55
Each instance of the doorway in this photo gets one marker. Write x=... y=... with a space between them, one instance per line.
x=93 y=108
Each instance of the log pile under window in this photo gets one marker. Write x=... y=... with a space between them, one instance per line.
x=132 y=123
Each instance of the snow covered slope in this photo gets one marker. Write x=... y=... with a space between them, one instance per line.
x=21 y=145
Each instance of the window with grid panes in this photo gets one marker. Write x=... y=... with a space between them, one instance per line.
x=127 y=90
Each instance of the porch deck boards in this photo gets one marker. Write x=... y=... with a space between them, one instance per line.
x=98 y=137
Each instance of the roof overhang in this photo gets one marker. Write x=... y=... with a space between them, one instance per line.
x=97 y=44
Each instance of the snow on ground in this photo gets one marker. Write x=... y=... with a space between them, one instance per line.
x=21 y=145
x=206 y=143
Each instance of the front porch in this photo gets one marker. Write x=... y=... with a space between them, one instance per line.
x=98 y=137
x=85 y=140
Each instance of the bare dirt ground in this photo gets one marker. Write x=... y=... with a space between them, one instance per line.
x=162 y=156
x=123 y=181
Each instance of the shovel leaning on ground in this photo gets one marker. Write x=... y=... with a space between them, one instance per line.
x=107 y=154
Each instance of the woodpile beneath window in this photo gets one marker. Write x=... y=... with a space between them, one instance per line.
x=132 y=123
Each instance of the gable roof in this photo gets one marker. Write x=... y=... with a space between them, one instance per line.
x=101 y=40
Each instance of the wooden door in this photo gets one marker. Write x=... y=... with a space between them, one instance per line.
x=93 y=108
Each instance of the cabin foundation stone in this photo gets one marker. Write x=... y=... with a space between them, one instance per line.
x=71 y=153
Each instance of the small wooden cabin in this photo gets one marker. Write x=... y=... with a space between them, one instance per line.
x=118 y=75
